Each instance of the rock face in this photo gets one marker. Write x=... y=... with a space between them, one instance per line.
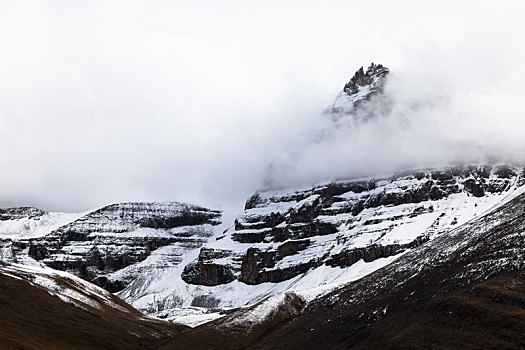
x=20 y=212
x=463 y=289
x=362 y=88
x=468 y=284
x=207 y=273
x=373 y=77
x=105 y=246
x=282 y=234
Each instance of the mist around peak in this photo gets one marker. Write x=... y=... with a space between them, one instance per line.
x=103 y=103
x=408 y=122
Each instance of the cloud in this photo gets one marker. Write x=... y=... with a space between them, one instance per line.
x=426 y=123
x=152 y=100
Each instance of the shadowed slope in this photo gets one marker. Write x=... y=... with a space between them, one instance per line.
x=34 y=317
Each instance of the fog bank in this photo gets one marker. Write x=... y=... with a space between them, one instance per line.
x=204 y=102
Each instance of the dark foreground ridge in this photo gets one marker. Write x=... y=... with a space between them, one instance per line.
x=34 y=317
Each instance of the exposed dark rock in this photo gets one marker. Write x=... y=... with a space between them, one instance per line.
x=20 y=212
x=206 y=301
x=109 y=285
x=259 y=222
x=255 y=261
x=206 y=254
x=362 y=78
x=185 y=218
x=38 y=251
x=207 y=274
x=292 y=247
x=71 y=235
x=504 y=171
x=305 y=213
x=363 y=87
x=474 y=187
x=253 y=201
x=370 y=253
x=304 y=230
x=250 y=236
x=279 y=275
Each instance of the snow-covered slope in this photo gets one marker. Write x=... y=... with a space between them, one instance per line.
x=463 y=289
x=106 y=245
x=313 y=240
x=19 y=225
x=25 y=223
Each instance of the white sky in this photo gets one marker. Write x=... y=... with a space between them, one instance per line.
x=106 y=101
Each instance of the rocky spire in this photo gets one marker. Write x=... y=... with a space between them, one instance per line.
x=373 y=77
x=361 y=87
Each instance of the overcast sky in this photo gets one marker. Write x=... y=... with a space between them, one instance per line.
x=107 y=101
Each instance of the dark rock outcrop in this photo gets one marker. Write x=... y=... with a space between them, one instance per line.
x=474 y=187
x=20 y=212
x=348 y=257
x=254 y=264
x=361 y=79
x=207 y=274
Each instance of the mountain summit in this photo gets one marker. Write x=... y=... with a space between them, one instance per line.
x=361 y=87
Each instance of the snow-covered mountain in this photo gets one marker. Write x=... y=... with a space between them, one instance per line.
x=105 y=246
x=312 y=240
x=463 y=289
x=290 y=250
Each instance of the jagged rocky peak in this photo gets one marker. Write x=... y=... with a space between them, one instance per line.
x=361 y=88
x=373 y=78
